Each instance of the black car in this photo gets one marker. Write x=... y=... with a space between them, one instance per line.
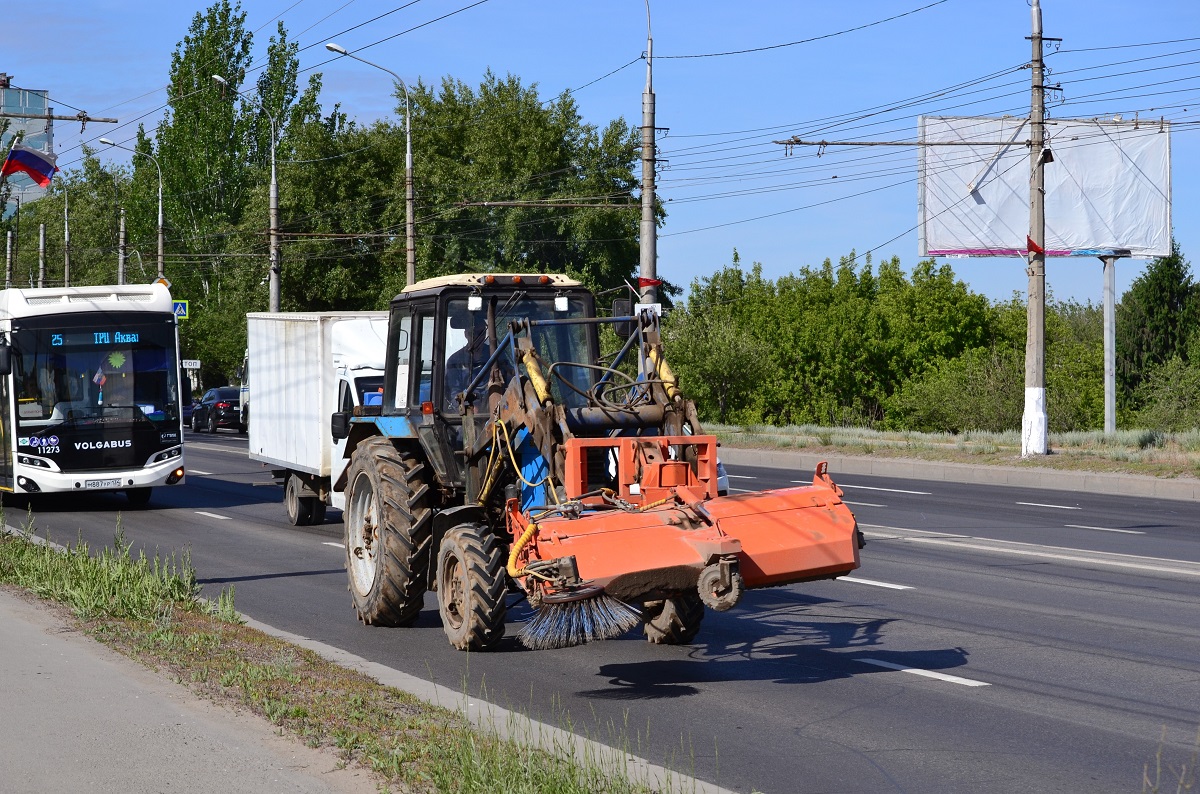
x=218 y=408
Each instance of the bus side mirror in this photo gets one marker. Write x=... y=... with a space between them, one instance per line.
x=5 y=356
x=623 y=307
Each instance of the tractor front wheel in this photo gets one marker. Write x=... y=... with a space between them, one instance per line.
x=673 y=621
x=388 y=523
x=471 y=586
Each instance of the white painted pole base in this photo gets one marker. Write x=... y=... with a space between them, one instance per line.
x=1033 y=423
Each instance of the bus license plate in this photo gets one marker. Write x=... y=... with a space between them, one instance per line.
x=101 y=483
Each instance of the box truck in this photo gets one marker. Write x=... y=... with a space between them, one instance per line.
x=307 y=366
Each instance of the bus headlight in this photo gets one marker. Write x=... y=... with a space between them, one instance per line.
x=167 y=454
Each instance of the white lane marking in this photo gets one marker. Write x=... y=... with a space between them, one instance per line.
x=1056 y=507
x=214 y=515
x=862 y=504
x=213 y=447
x=1132 y=561
x=331 y=543
x=889 y=490
x=953 y=679
x=743 y=490
x=740 y=477
x=197 y=471
x=874 y=583
x=1105 y=529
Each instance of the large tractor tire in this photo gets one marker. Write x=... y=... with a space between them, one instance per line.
x=471 y=585
x=302 y=511
x=675 y=621
x=388 y=525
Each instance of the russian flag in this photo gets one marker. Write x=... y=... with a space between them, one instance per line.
x=39 y=165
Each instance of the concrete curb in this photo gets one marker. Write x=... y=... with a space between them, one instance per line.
x=907 y=468
x=506 y=724
x=485 y=715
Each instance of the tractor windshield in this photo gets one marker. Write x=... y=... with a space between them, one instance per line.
x=468 y=344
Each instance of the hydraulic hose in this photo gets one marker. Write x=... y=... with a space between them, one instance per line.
x=529 y=532
x=664 y=373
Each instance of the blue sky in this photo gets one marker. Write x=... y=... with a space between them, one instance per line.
x=725 y=184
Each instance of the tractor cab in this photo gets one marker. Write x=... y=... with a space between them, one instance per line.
x=452 y=350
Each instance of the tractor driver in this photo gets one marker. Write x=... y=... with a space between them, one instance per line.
x=467 y=337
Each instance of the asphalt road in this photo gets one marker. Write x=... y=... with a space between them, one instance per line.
x=995 y=639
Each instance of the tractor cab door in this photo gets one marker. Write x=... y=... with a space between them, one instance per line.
x=413 y=384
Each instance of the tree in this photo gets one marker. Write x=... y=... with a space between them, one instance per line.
x=502 y=143
x=1154 y=320
x=719 y=359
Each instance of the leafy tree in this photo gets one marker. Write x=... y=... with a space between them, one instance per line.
x=502 y=143
x=720 y=359
x=1170 y=397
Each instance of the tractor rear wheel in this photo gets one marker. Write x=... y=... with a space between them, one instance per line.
x=674 y=621
x=471 y=585
x=388 y=522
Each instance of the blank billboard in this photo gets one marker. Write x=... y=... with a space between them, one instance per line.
x=1108 y=187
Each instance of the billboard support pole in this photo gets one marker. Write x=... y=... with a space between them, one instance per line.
x=1033 y=422
x=1110 y=339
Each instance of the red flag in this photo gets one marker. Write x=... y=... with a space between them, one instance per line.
x=649 y=282
x=1033 y=247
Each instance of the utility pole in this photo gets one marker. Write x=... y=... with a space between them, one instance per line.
x=121 y=250
x=41 y=255
x=648 y=241
x=66 y=239
x=1033 y=422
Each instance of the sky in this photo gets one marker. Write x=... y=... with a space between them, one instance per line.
x=767 y=71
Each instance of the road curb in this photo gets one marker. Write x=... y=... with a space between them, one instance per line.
x=483 y=714
x=506 y=724
x=907 y=468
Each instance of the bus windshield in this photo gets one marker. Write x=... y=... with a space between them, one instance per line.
x=101 y=369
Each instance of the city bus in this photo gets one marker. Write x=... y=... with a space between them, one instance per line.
x=89 y=391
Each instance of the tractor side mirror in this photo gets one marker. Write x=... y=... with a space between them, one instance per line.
x=623 y=307
x=339 y=425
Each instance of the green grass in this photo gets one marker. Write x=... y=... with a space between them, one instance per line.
x=150 y=609
x=1146 y=452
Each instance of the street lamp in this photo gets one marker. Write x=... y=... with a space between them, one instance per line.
x=273 y=304
x=107 y=142
x=409 y=233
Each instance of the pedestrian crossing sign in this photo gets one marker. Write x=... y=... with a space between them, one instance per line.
x=181 y=310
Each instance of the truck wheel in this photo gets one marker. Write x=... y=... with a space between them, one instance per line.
x=471 y=585
x=675 y=621
x=388 y=527
x=299 y=508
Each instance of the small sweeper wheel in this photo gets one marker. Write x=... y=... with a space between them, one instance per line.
x=674 y=621
x=388 y=523
x=471 y=584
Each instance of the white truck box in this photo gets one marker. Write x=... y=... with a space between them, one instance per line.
x=299 y=360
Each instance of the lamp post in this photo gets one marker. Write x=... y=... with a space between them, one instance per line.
x=409 y=232
x=160 y=203
x=273 y=304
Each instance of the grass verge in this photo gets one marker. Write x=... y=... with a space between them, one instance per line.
x=1144 y=452
x=150 y=609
